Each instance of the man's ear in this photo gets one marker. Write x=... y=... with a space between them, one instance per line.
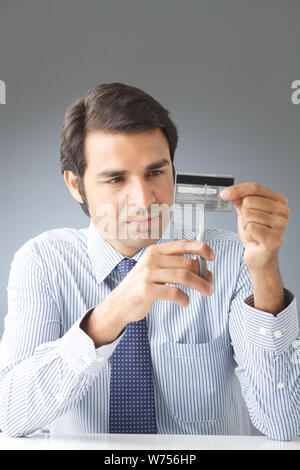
x=71 y=182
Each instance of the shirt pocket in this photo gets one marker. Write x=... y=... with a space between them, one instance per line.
x=195 y=379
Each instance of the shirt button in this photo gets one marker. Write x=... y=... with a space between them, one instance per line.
x=100 y=359
x=59 y=398
x=277 y=334
x=263 y=331
x=280 y=385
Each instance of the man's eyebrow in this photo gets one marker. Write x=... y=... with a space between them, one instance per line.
x=113 y=173
x=159 y=164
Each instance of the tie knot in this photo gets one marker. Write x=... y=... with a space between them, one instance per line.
x=125 y=266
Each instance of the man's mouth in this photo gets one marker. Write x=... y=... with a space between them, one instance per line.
x=143 y=224
x=139 y=220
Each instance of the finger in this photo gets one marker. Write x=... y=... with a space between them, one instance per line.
x=171 y=293
x=263 y=218
x=180 y=247
x=264 y=204
x=179 y=262
x=183 y=277
x=251 y=189
x=209 y=277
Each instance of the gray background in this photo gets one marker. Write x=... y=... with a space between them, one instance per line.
x=223 y=68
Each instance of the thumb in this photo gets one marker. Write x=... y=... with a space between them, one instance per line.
x=237 y=203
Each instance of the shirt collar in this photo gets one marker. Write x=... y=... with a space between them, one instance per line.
x=104 y=257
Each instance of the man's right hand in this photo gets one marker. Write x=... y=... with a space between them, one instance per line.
x=132 y=299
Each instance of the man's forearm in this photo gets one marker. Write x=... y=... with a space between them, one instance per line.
x=268 y=290
x=35 y=391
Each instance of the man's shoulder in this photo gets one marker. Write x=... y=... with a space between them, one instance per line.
x=220 y=235
x=53 y=240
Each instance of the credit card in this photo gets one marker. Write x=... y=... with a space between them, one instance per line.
x=197 y=188
x=201 y=193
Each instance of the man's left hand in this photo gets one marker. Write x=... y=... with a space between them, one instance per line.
x=262 y=219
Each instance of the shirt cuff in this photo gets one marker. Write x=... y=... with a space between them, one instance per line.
x=78 y=349
x=275 y=333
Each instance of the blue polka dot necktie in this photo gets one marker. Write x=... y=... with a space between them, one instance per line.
x=131 y=385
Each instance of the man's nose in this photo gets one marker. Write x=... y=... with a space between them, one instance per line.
x=141 y=194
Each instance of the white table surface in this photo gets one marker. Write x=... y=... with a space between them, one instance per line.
x=45 y=441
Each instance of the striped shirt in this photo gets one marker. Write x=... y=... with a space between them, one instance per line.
x=220 y=366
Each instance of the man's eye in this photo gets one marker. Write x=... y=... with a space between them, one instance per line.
x=118 y=178
x=114 y=180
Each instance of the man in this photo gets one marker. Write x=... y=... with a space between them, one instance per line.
x=111 y=328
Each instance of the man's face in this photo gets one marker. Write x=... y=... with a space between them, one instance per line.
x=128 y=178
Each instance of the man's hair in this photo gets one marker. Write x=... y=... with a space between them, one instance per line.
x=113 y=108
